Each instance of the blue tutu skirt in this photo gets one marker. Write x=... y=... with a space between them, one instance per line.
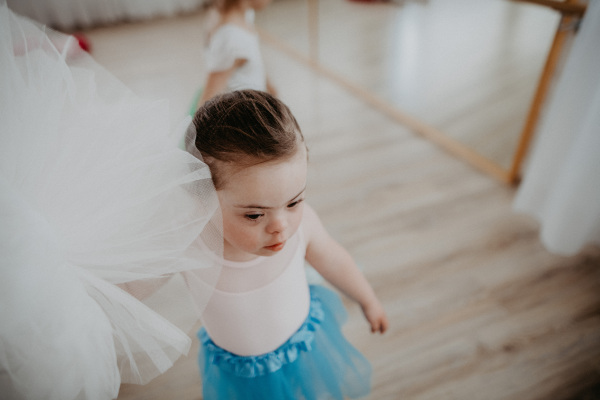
x=317 y=362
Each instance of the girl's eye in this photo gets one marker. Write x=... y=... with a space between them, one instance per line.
x=295 y=203
x=253 y=217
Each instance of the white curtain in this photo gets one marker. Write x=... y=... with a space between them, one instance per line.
x=76 y=14
x=561 y=186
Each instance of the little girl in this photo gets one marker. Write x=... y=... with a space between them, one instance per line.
x=266 y=334
x=233 y=57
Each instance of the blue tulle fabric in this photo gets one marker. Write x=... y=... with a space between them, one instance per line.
x=317 y=362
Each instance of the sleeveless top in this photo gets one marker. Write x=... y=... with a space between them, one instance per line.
x=259 y=304
x=231 y=42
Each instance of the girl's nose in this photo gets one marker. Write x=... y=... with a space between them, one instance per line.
x=277 y=224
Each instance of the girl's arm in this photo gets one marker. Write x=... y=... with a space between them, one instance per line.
x=336 y=265
x=217 y=82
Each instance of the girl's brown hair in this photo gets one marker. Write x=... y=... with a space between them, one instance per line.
x=221 y=5
x=226 y=5
x=245 y=127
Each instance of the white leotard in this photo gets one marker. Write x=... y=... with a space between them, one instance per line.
x=259 y=304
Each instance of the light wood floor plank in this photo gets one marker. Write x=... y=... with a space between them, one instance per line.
x=478 y=308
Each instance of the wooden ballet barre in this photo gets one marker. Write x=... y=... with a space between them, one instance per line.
x=570 y=11
x=565 y=8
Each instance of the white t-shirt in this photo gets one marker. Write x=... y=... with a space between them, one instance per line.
x=229 y=43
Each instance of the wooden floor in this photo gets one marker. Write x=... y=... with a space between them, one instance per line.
x=478 y=308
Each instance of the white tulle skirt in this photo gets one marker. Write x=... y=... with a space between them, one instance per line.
x=561 y=186
x=100 y=278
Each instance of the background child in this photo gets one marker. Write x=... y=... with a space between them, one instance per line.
x=266 y=333
x=233 y=57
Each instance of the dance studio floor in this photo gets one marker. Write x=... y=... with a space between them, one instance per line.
x=478 y=308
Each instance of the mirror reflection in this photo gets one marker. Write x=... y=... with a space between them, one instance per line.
x=467 y=68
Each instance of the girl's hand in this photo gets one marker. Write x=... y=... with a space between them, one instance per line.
x=375 y=314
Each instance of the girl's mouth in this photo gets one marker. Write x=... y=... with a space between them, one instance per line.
x=276 y=247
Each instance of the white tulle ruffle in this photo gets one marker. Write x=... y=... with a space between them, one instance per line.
x=561 y=186
x=100 y=277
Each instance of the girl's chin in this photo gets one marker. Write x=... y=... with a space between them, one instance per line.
x=233 y=253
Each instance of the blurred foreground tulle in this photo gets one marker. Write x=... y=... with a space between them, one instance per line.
x=95 y=198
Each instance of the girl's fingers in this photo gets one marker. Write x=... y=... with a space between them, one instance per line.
x=384 y=325
x=380 y=325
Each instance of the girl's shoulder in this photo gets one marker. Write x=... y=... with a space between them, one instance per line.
x=311 y=223
x=229 y=31
x=216 y=22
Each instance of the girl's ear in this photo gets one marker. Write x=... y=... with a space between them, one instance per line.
x=208 y=159
x=215 y=166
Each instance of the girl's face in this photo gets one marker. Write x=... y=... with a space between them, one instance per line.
x=262 y=206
